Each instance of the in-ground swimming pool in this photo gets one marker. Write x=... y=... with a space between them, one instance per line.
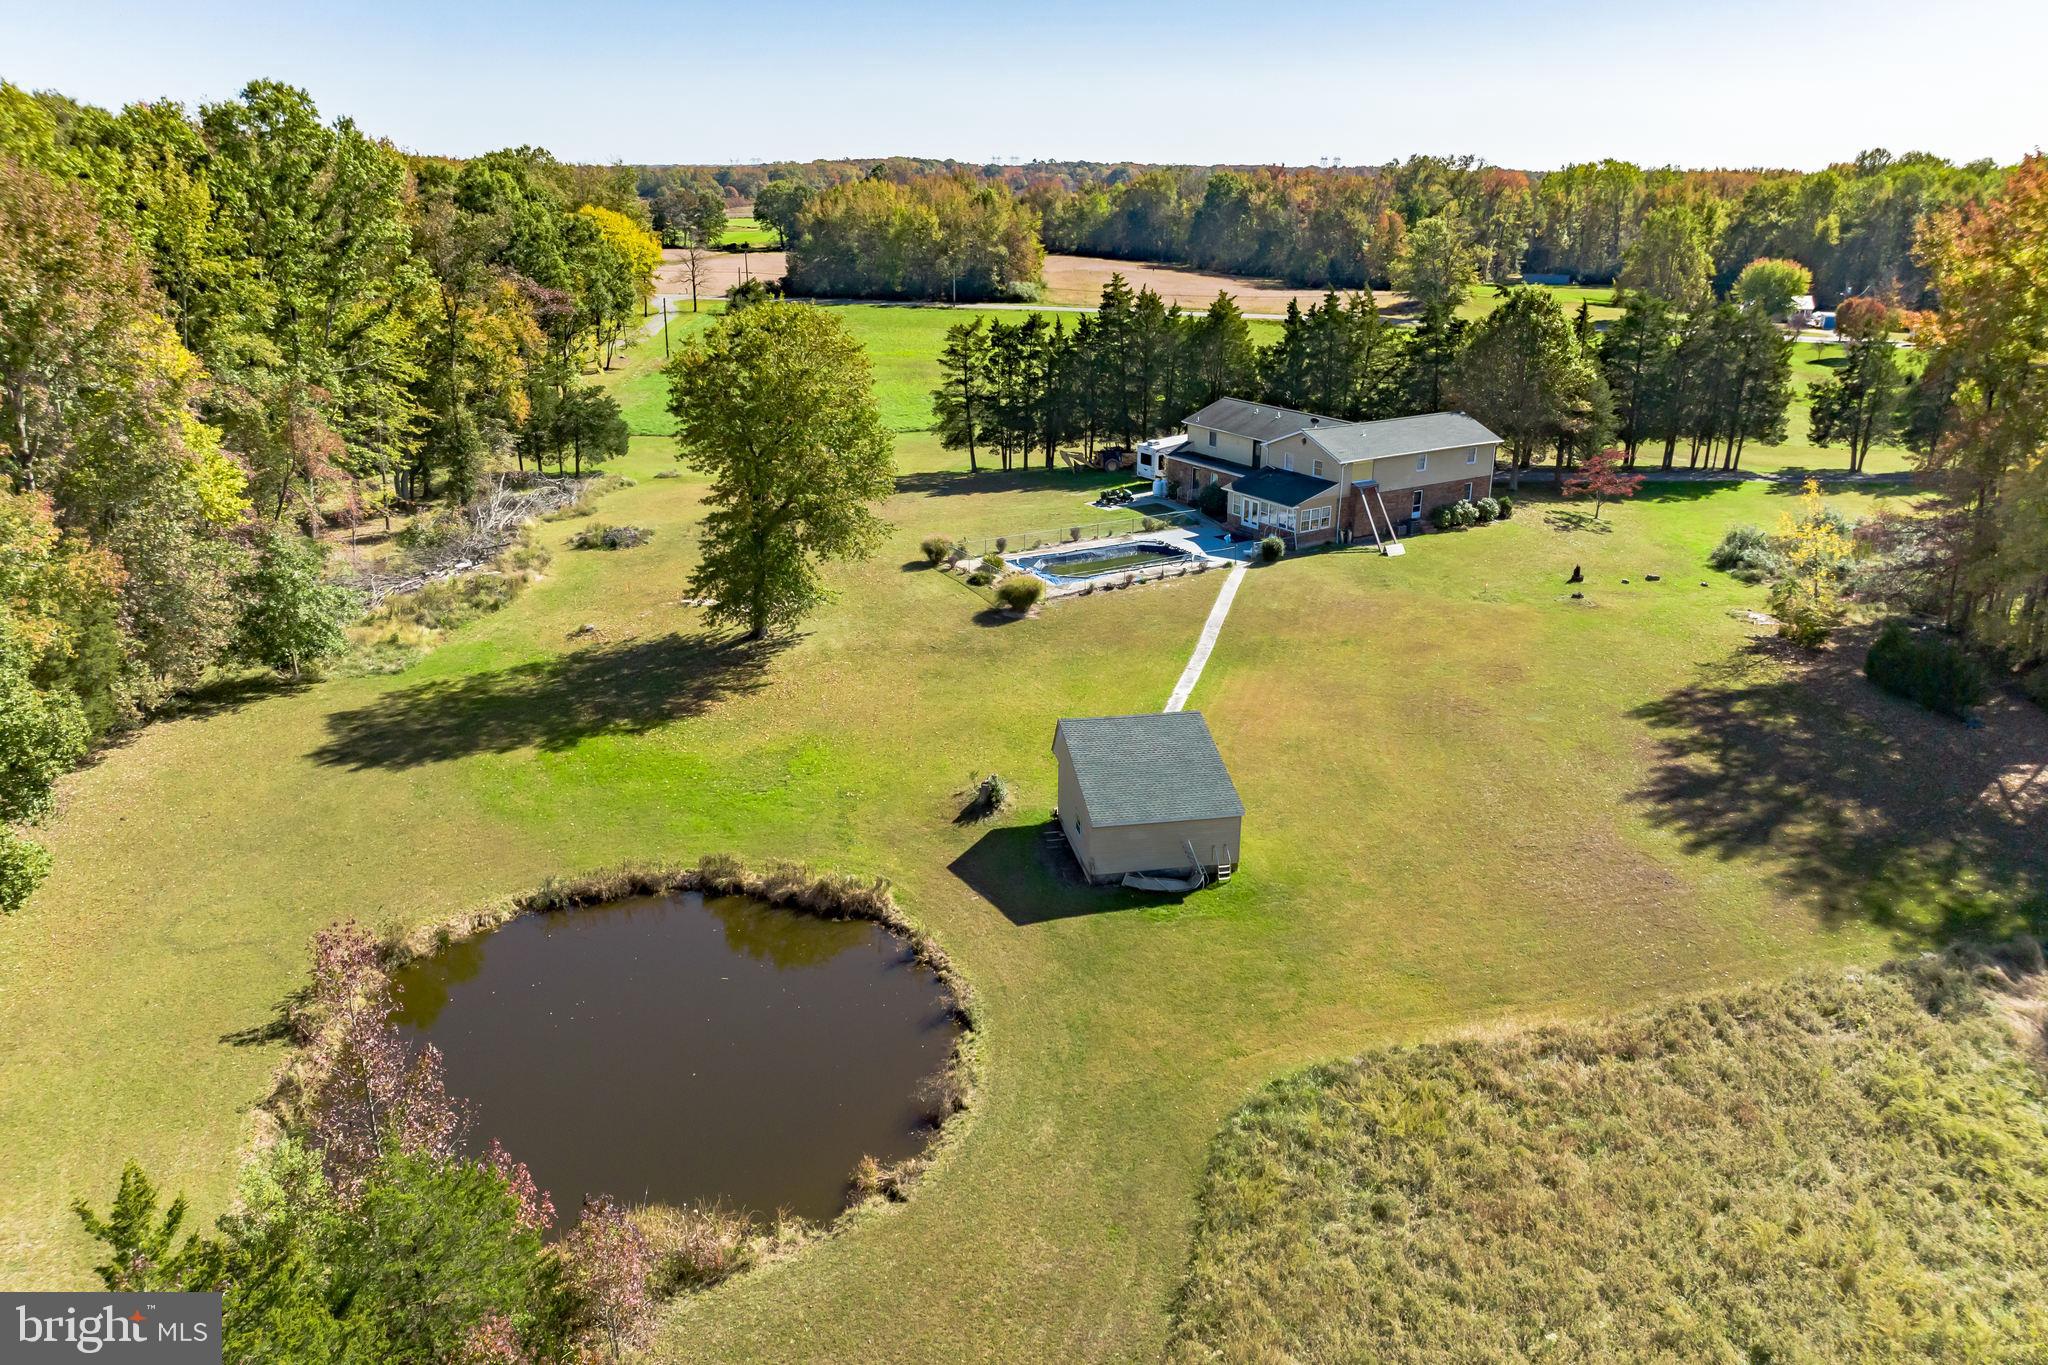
x=1068 y=566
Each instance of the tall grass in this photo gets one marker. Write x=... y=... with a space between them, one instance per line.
x=1843 y=1166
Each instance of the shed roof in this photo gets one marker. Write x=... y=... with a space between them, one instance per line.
x=1281 y=486
x=1257 y=421
x=1402 y=436
x=1149 y=770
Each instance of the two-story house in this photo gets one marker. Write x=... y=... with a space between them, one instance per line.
x=1318 y=479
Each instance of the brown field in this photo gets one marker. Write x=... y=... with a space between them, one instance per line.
x=720 y=271
x=1078 y=280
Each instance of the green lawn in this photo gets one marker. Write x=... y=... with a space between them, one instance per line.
x=1468 y=793
x=750 y=232
x=1598 y=298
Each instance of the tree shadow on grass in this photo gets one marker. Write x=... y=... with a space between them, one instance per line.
x=948 y=482
x=1868 y=807
x=550 y=704
x=1033 y=879
x=1571 y=519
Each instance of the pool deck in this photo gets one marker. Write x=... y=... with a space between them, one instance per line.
x=1207 y=544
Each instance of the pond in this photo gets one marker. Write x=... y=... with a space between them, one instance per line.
x=673 y=1049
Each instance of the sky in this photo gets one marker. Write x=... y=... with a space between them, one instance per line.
x=1659 y=82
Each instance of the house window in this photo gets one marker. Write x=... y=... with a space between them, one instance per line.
x=1472 y=455
x=1318 y=469
x=1316 y=519
x=1212 y=437
x=1468 y=492
x=1415 y=508
x=1421 y=462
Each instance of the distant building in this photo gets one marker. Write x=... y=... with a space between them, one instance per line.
x=1313 y=479
x=1147 y=794
x=1801 y=313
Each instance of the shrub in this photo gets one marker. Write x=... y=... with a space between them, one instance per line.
x=1152 y=524
x=1507 y=506
x=937 y=549
x=599 y=536
x=1020 y=591
x=1073 y=533
x=1270 y=549
x=23 y=865
x=1488 y=509
x=992 y=796
x=2035 y=685
x=994 y=564
x=1925 y=668
x=291 y=616
x=980 y=578
x=1464 y=513
x=1804 y=618
x=1213 y=501
x=1747 y=552
x=1002 y=544
x=696 y=1247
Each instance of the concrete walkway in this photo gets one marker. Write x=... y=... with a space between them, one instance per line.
x=1211 y=628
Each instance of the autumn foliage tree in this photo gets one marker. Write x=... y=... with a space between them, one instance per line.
x=1602 y=478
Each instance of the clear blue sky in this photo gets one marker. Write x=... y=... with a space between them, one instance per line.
x=1709 y=82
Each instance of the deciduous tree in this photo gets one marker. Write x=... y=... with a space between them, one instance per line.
x=776 y=404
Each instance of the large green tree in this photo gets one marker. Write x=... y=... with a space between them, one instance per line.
x=1526 y=376
x=776 y=404
x=1438 y=265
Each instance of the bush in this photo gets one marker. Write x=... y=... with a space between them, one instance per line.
x=696 y=1247
x=1213 y=501
x=1020 y=591
x=1152 y=524
x=1803 y=618
x=1507 y=506
x=994 y=564
x=937 y=549
x=1489 y=511
x=1464 y=513
x=1925 y=668
x=1442 y=519
x=1002 y=544
x=2035 y=685
x=1747 y=552
x=980 y=578
x=23 y=865
x=291 y=615
x=599 y=536
x=1270 y=550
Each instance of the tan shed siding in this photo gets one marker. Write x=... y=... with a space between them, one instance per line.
x=1118 y=849
x=1073 y=811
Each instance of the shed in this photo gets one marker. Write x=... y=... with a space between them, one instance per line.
x=1138 y=792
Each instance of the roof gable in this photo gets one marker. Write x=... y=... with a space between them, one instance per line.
x=1257 y=421
x=1402 y=436
x=1148 y=769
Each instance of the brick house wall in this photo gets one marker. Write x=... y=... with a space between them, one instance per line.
x=1434 y=495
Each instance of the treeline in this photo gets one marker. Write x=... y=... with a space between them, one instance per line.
x=1547 y=383
x=935 y=237
x=226 y=329
x=1853 y=225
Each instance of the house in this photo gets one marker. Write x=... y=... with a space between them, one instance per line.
x=1146 y=794
x=1315 y=480
x=1800 y=315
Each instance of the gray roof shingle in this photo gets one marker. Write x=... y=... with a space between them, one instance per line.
x=1402 y=436
x=1256 y=421
x=1149 y=769
x=1281 y=486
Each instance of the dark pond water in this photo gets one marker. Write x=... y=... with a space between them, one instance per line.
x=673 y=1049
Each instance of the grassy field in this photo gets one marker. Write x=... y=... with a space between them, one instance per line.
x=1471 y=799
x=749 y=232
x=1837 y=1167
